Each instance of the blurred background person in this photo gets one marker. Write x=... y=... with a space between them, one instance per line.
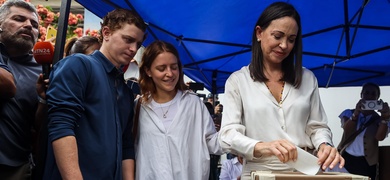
x=84 y=45
x=231 y=168
x=210 y=98
x=363 y=129
x=132 y=72
x=218 y=109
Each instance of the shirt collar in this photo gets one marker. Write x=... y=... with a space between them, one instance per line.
x=235 y=160
x=107 y=64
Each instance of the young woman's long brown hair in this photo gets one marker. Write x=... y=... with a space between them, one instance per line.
x=151 y=52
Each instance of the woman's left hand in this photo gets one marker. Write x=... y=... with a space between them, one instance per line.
x=328 y=156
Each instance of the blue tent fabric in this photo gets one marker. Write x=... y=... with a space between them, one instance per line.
x=345 y=42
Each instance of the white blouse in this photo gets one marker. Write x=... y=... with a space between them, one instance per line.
x=253 y=115
x=182 y=149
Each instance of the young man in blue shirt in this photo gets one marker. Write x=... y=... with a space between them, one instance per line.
x=90 y=106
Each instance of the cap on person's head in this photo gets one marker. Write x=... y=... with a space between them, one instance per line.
x=210 y=96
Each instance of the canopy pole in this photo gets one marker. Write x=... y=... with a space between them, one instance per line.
x=61 y=31
x=214 y=86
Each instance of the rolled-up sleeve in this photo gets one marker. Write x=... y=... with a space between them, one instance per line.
x=65 y=97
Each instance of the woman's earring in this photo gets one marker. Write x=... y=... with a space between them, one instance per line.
x=258 y=40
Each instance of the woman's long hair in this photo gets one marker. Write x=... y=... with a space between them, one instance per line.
x=151 y=52
x=292 y=65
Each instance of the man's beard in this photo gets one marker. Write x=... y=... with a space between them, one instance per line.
x=17 y=41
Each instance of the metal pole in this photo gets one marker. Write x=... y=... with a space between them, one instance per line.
x=62 y=30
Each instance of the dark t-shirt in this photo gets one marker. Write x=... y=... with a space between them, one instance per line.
x=17 y=113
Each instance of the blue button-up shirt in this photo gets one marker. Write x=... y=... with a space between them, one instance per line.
x=88 y=99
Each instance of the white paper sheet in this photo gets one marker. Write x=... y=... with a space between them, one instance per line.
x=306 y=163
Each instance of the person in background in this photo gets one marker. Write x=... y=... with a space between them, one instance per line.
x=231 y=168
x=176 y=133
x=19 y=73
x=214 y=159
x=84 y=45
x=361 y=153
x=210 y=99
x=90 y=119
x=272 y=106
x=209 y=107
x=218 y=109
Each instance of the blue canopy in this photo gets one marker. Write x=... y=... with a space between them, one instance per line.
x=345 y=42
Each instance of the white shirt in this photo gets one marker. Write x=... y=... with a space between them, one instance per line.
x=168 y=109
x=356 y=148
x=253 y=115
x=180 y=151
x=231 y=169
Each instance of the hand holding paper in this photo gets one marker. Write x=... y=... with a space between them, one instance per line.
x=305 y=163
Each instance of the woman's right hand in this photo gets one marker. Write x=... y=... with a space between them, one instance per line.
x=282 y=149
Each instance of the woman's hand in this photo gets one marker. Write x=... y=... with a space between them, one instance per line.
x=328 y=156
x=282 y=149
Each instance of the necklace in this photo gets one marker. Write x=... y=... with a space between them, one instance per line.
x=281 y=92
x=166 y=112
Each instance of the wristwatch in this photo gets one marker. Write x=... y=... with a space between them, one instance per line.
x=41 y=100
x=328 y=144
x=353 y=118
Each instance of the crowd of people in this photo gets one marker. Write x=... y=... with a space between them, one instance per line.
x=84 y=122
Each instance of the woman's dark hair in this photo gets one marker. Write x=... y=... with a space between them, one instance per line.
x=80 y=45
x=151 y=52
x=292 y=65
x=69 y=44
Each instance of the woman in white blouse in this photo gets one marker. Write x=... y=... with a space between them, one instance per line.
x=176 y=133
x=272 y=106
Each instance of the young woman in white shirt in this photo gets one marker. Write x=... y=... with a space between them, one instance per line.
x=176 y=133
